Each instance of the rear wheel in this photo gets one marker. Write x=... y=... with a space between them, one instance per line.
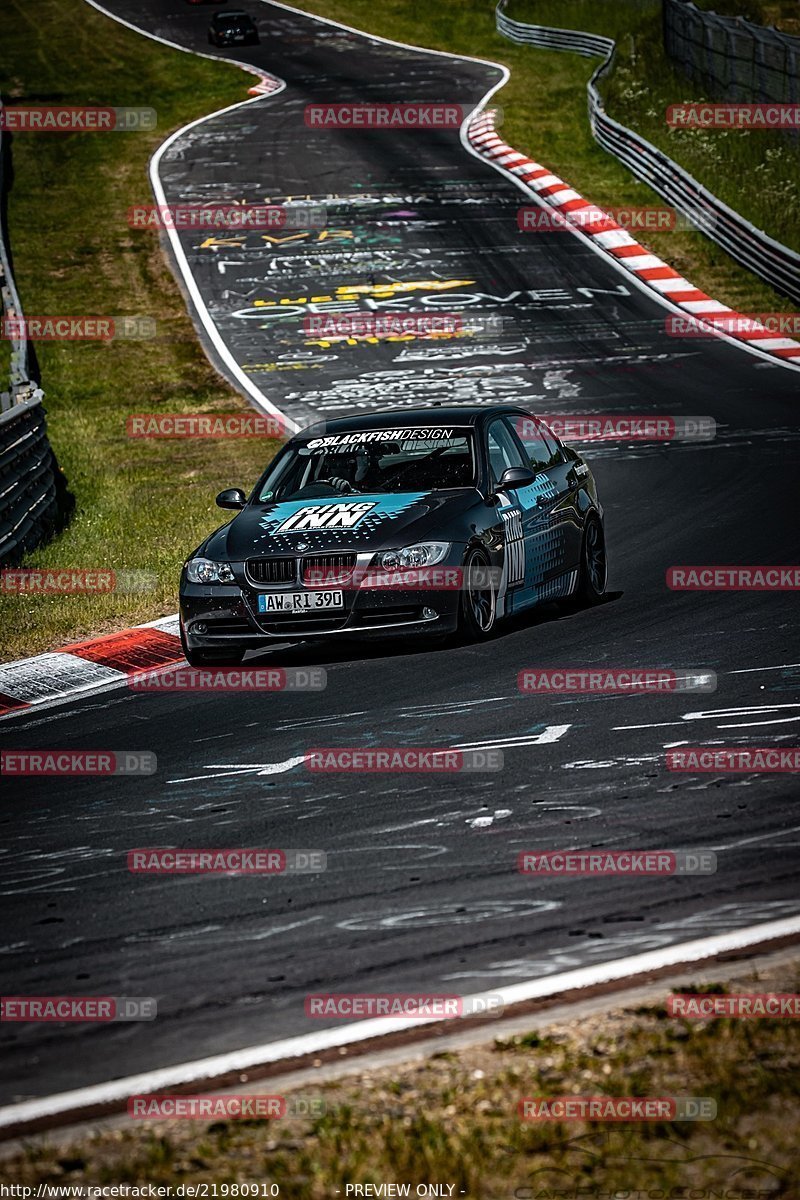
x=210 y=658
x=593 y=574
x=478 y=606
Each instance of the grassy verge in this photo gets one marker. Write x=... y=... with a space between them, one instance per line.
x=755 y=173
x=453 y=1119
x=140 y=504
x=544 y=107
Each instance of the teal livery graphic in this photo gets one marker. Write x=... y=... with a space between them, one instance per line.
x=487 y=497
x=355 y=521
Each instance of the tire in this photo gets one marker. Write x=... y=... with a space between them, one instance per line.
x=593 y=574
x=477 y=614
x=210 y=658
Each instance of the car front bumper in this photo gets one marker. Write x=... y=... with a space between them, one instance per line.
x=225 y=616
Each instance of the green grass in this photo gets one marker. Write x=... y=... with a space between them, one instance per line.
x=453 y=1119
x=755 y=173
x=140 y=505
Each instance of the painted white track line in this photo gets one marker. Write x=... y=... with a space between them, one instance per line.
x=206 y=1070
x=201 y=309
x=214 y=336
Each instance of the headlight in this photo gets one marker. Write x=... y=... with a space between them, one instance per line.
x=203 y=570
x=423 y=554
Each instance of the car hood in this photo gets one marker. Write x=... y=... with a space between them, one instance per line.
x=359 y=522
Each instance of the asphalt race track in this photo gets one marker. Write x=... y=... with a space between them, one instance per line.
x=421 y=890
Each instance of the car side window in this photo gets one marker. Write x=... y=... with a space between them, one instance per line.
x=551 y=441
x=539 y=445
x=503 y=449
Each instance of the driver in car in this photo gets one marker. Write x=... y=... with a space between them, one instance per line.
x=344 y=471
x=359 y=471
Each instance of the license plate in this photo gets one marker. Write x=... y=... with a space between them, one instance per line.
x=270 y=602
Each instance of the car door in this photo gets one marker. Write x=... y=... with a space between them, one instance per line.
x=523 y=518
x=556 y=496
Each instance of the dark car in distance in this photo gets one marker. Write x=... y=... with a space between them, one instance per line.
x=417 y=522
x=232 y=28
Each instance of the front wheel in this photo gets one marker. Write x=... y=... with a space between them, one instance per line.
x=478 y=606
x=593 y=574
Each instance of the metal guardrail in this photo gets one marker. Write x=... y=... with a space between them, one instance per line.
x=773 y=262
x=30 y=479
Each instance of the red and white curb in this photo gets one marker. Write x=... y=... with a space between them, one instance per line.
x=92 y=666
x=266 y=85
x=615 y=241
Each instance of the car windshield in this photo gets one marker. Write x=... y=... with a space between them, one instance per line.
x=361 y=461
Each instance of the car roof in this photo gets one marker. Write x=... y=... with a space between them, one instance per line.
x=403 y=418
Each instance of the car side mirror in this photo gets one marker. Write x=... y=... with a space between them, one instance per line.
x=515 y=477
x=231 y=498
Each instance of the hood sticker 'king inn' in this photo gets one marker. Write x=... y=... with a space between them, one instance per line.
x=342 y=515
